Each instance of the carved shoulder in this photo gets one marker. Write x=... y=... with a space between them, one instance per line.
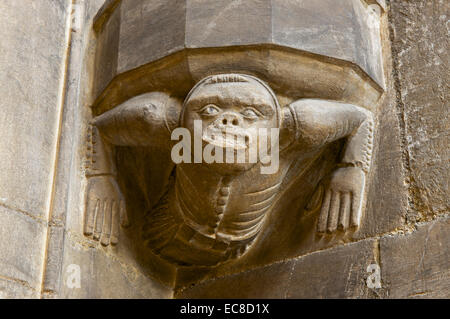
x=145 y=120
x=317 y=122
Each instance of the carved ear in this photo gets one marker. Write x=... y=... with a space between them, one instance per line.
x=288 y=129
x=174 y=107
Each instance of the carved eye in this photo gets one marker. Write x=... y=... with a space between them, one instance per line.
x=210 y=110
x=251 y=113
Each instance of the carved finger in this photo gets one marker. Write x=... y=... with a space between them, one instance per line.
x=344 y=216
x=99 y=212
x=123 y=215
x=89 y=216
x=106 y=231
x=323 y=217
x=356 y=209
x=333 y=213
x=115 y=223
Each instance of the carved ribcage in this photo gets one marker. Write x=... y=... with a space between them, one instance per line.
x=227 y=210
x=245 y=219
x=217 y=226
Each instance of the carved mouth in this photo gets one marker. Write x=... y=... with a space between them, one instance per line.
x=231 y=138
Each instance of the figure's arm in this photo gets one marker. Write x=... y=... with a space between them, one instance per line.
x=105 y=205
x=315 y=123
x=145 y=120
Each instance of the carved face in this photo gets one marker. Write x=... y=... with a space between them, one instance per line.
x=232 y=109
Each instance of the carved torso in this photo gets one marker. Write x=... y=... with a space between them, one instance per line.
x=218 y=216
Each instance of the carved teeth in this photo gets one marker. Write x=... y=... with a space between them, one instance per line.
x=229 y=138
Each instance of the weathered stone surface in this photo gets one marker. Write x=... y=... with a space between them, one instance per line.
x=16 y=290
x=266 y=282
x=105 y=275
x=150 y=30
x=116 y=273
x=387 y=199
x=417 y=264
x=222 y=23
x=32 y=59
x=106 y=46
x=334 y=273
x=67 y=182
x=21 y=242
x=420 y=51
x=345 y=30
x=340 y=272
x=334 y=29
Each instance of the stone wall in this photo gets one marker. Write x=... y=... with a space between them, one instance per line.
x=47 y=62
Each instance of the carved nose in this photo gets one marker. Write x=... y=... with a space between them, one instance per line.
x=230 y=119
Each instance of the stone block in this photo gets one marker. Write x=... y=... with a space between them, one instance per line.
x=228 y=23
x=32 y=59
x=15 y=290
x=338 y=29
x=150 y=30
x=420 y=52
x=339 y=272
x=264 y=282
x=21 y=247
x=104 y=275
x=417 y=265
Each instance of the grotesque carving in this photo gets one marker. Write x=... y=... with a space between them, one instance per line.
x=212 y=212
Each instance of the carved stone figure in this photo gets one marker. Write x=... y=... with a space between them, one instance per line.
x=212 y=212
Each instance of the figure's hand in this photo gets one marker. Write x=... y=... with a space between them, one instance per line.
x=105 y=210
x=341 y=205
